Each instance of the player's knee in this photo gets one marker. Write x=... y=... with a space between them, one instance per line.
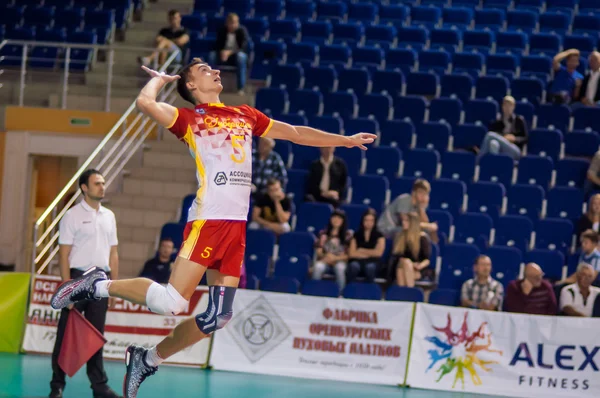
x=219 y=310
x=165 y=300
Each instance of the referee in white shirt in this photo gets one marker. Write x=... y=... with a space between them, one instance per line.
x=88 y=238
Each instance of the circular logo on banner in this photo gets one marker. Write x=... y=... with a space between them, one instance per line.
x=258 y=329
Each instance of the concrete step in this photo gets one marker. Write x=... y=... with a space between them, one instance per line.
x=142 y=218
x=157 y=189
x=165 y=175
x=168 y=146
x=130 y=268
x=144 y=202
x=168 y=161
x=135 y=234
x=135 y=251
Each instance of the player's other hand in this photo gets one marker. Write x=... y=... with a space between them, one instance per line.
x=360 y=140
x=166 y=78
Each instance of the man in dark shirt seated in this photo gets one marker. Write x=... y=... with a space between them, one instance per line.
x=567 y=80
x=506 y=135
x=231 y=48
x=159 y=268
x=169 y=39
x=327 y=179
x=531 y=295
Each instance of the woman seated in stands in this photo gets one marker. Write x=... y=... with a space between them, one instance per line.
x=591 y=219
x=332 y=249
x=411 y=252
x=366 y=248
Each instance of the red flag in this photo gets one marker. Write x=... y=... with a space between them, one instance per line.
x=80 y=342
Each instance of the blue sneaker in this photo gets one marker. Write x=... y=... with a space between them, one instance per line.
x=78 y=289
x=137 y=370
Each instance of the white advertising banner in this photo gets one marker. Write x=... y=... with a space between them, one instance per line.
x=315 y=337
x=459 y=349
x=126 y=324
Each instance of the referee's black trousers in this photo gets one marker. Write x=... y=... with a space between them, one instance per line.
x=95 y=313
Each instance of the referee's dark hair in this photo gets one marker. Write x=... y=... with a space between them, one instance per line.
x=84 y=178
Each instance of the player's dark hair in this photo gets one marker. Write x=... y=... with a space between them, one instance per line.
x=84 y=178
x=172 y=13
x=184 y=74
x=591 y=235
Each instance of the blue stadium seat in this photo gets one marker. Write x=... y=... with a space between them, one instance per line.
x=384 y=161
x=318 y=32
x=554 y=234
x=486 y=197
x=280 y=285
x=354 y=213
x=467 y=136
x=296 y=186
x=533 y=5
x=355 y=79
x=551 y=261
x=304 y=53
x=510 y=42
x=457 y=17
x=334 y=54
x=320 y=288
x=284 y=29
x=257 y=27
x=397 y=133
x=343 y=104
x=447 y=194
x=313 y=217
x=412 y=107
x=522 y=20
x=445 y=39
x=530 y=89
x=401 y=185
x=413 y=36
x=544 y=43
x=304 y=156
x=458 y=166
x=300 y=9
x=434 y=61
x=70 y=18
x=481 y=111
x=335 y=10
x=564 y=202
x=525 y=200
x=443 y=219
x=81 y=58
x=425 y=16
x=394 y=14
x=494 y=87
x=422 y=83
x=473 y=228
x=489 y=18
x=506 y=263
x=588 y=117
x=288 y=77
x=257 y=265
x=525 y=109
x=266 y=54
x=478 y=40
x=174 y=231
x=284 y=149
x=185 y=207
x=348 y=32
x=421 y=163
x=242 y=8
x=583 y=43
x=401 y=58
x=557 y=22
x=535 y=170
x=445 y=110
x=586 y=24
x=309 y=102
x=322 y=77
x=102 y=22
x=371 y=190
x=581 y=144
x=571 y=172
x=361 y=125
x=201 y=47
x=403 y=293
x=388 y=81
x=514 y=231
x=550 y=115
x=331 y=124
x=378 y=106
x=457 y=265
x=271 y=100
x=457 y=85
x=496 y=168
x=448 y=297
x=296 y=244
x=362 y=291
x=368 y=57
x=379 y=34
x=294 y=119
x=292 y=267
x=40 y=17
x=353 y=158
x=544 y=142
x=433 y=135
x=271 y=9
x=260 y=242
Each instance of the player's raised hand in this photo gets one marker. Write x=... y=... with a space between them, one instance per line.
x=166 y=78
x=360 y=140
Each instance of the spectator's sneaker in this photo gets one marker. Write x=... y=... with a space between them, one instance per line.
x=78 y=289
x=137 y=370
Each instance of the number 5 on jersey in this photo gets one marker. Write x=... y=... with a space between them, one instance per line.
x=207 y=252
x=239 y=146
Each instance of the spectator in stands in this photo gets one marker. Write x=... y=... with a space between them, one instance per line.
x=267 y=164
x=590 y=87
x=366 y=248
x=332 y=249
x=532 y=294
x=231 y=48
x=169 y=39
x=159 y=268
x=591 y=219
x=327 y=179
x=589 y=255
x=272 y=209
x=579 y=298
x=593 y=175
x=506 y=135
x=482 y=291
x=567 y=80
x=411 y=251
x=390 y=222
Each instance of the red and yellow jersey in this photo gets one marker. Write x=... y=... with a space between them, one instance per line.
x=219 y=138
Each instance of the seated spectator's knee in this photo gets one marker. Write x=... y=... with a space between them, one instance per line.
x=494 y=147
x=340 y=266
x=242 y=58
x=404 y=263
x=285 y=227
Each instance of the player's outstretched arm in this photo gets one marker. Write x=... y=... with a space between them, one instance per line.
x=163 y=113
x=309 y=136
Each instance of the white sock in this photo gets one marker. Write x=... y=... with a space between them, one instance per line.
x=101 y=289
x=152 y=357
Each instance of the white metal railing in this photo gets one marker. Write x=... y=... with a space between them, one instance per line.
x=60 y=65
x=134 y=128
